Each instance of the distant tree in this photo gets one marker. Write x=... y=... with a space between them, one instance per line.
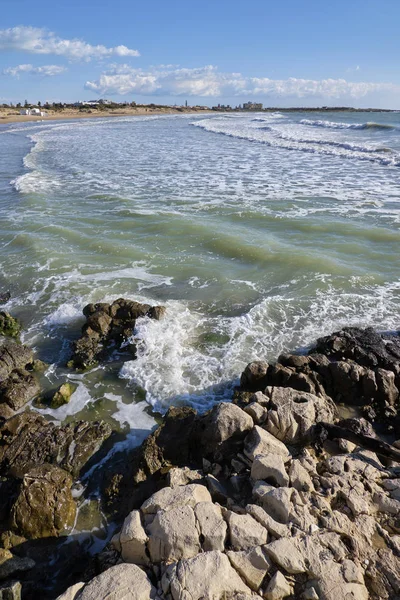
x=26 y=104
x=39 y=104
x=18 y=104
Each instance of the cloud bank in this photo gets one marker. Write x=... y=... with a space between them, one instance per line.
x=44 y=71
x=40 y=41
x=209 y=82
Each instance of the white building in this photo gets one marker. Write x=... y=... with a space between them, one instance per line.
x=34 y=112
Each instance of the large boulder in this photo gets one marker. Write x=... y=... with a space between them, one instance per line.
x=119 y=583
x=173 y=535
x=13 y=356
x=170 y=498
x=207 y=576
x=293 y=414
x=221 y=430
x=44 y=506
x=108 y=325
x=17 y=390
x=27 y=439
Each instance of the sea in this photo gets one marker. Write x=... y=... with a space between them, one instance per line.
x=259 y=232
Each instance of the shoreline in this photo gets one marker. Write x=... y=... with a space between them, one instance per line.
x=70 y=114
x=267 y=488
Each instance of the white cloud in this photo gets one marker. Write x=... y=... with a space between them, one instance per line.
x=208 y=81
x=40 y=41
x=44 y=71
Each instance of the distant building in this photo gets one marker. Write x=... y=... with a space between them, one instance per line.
x=33 y=112
x=252 y=106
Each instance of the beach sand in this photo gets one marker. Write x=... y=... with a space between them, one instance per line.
x=8 y=115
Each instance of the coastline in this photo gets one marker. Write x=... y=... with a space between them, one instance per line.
x=69 y=114
x=269 y=495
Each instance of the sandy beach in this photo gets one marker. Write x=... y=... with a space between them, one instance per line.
x=8 y=115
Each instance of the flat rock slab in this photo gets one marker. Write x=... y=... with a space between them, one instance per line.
x=122 y=582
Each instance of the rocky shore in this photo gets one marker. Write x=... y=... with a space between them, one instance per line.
x=277 y=494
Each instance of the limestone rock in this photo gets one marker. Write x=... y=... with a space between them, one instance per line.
x=278 y=503
x=270 y=468
x=173 y=535
x=212 y=526
x=293 y=413
x=245 y=532
x=221 y=430
x=168 y=498
x=278 y=587
x=45 y=506
x=252 y=565
x=285 y=554
x=260 y=442
x=299 y=477
x=119 y=582
x=183 y=476
x=254 y=377
x=133 y=540
x=276 y=529
x=207 y=576
x=72 y=592
x=10 y=591
x=257 y=412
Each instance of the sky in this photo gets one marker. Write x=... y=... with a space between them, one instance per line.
x=286 y=53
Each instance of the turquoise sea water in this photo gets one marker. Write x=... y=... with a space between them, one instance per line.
x=259 y=232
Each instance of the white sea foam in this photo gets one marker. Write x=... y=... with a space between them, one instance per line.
x=174 y=367
x=290 y=137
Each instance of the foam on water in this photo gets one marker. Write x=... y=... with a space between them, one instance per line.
x=174 y=367
x=290 y=137
x=232 y=237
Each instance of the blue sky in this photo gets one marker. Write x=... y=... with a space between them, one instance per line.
x=287 y=53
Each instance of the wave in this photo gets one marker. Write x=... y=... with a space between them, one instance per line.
x=289 y=138
x=334 y=125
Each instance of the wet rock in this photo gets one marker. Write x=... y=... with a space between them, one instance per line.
x=28 y=439
x=13 y=356
x=108 y=326
x=213 y=529
x=20 y=387
x=11 y=564
x=156 y=312
x=365 y=346
x=63 y=395
x=44 y=506
x=160 y=451
x=9 y=326
x=4 y=297
x=207 y=576
x=121 y=581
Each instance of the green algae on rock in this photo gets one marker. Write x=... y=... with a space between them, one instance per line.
x=9 y=326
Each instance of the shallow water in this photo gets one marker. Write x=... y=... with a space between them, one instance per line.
x=260 y=232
